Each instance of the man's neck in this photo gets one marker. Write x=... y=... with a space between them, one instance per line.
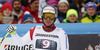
x=48 y=29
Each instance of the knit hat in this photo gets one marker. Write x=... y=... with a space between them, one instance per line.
x=63 y=1
x=91 y=4
x=6 y=6
x=28 y=17
x=70 y=12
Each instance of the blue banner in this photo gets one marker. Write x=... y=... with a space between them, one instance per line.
x=69 y=28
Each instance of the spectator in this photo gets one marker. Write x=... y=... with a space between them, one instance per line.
x=72 y=16
x=23 y=2
x=33 y=9
x=6 y=11
x=28 y=18
x=84 y=2
x=90 y=15
x=63 y=7
x=16 y=4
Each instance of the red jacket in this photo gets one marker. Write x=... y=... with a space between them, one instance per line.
x=33 y=13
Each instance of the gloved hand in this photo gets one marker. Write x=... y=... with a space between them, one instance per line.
x=11 y=29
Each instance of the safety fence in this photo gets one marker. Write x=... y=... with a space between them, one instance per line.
x=82 y=36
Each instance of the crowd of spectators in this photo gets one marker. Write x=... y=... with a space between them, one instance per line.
x=69 y=11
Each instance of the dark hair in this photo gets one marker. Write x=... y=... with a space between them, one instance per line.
x=16 y=0
x=31 y=1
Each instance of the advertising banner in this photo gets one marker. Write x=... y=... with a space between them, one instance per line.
x=8 y=44
x=76 y=42
x=82 y=36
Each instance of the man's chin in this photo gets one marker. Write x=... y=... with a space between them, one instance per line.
x=48 y=25
x=17 y=10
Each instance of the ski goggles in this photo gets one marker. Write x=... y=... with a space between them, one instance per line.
x=49 y=15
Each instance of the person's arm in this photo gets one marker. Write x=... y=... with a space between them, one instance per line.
x=64 y=41
x=18 y=40
x=21 y=40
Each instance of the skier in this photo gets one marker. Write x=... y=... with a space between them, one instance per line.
x=46 y=37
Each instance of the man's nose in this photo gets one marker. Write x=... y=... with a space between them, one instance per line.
x=48 y=18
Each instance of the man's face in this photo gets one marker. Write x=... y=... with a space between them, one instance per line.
x=34 y=5
x=72 y=18
x=48 y=19
x=91 y=11
x=17 y=6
